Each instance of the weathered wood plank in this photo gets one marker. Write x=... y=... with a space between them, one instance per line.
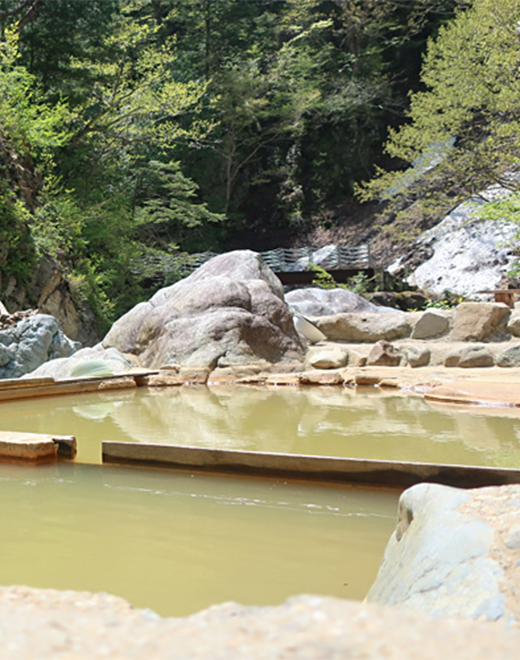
x=317 y=468
x=21 y=383
x=72 y=386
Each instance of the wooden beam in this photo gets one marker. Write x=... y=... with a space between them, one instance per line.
x=295 y=466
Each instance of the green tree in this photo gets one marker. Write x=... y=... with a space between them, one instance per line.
x=470 y=107
x=30 y=131
x=76 y=165
x=167 y=212
x=302 y=93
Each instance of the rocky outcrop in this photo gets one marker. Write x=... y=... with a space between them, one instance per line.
x=30 y=342
x=50 y=292
x=454 y=553
x=54 y=297
x=467 y=254
x=313 y=301
x=229 y=311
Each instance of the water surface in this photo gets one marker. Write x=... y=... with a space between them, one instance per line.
x=178 y=543
x=321 y=421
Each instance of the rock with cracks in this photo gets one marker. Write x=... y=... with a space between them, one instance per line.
x=30 y=342
x=230 y=311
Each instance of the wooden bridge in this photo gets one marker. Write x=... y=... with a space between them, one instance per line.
x=294 y=265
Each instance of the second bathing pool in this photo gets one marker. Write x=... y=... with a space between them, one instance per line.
x=340 y=422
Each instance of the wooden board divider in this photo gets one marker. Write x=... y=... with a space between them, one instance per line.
x=12 y=389
x=24 y=383
x=296 y=466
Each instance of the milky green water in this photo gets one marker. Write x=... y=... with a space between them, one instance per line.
x=176 y=542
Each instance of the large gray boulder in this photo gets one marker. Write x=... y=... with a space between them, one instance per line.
x=454 y=553
x=30 y=342
x=230 y=311
x=314 y=301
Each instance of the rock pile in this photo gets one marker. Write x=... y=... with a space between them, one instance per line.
x=472 y=335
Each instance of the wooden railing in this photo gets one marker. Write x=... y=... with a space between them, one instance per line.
x=292 y=265
x=288 y=260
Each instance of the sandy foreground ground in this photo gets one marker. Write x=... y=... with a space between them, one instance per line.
x=51 y=624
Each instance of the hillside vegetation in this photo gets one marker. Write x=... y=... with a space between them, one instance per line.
x=135 y=129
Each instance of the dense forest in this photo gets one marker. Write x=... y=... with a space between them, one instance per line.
x=135 y=132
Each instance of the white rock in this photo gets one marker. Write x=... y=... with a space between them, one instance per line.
x=469 y=255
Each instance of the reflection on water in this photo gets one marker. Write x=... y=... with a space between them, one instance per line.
x=177 y=543
x=325 y=421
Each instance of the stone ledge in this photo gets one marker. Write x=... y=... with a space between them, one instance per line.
x=34 y=447
x=48 y=624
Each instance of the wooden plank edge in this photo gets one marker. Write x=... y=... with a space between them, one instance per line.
x=58 y=388
x=295 y=466
x=23 y=383
x=28 y=387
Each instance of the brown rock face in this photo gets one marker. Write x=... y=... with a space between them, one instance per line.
x=365 y=327
x=478 y=321
x=54 y=297
x=383 y=354
x=230 y=311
